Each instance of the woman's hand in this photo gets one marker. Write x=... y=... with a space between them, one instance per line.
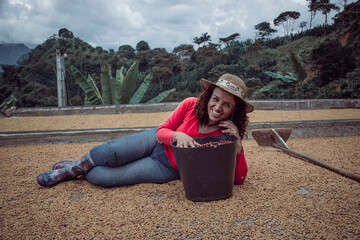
x=184 y=140
x=229 y=128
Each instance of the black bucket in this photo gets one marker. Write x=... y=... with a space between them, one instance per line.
x=207 y=173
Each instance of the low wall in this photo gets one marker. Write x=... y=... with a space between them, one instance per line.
x=306 y=104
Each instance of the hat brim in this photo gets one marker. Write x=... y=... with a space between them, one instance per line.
x=205 y=84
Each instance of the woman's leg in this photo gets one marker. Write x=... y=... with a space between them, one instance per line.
x=81 y=166
x=112 y=154
x=62 y=164
x=124 y=150
x=145 y=170
x=120 y=151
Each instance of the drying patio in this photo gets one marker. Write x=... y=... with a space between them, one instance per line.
x=282 y=198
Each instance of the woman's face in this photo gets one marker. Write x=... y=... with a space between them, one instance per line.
x=220 y=106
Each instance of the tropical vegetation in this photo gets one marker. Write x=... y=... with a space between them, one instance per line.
x=319 y=62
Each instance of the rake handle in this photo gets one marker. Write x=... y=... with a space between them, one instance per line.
x=321 y=164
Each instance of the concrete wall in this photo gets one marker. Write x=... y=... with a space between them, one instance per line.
x=167 y=107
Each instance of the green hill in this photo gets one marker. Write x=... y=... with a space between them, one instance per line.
x=319 y=63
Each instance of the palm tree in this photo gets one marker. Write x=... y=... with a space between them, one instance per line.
x=197 y=41
x=205 y=38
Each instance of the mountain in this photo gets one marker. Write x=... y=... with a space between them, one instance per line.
x=11 y=52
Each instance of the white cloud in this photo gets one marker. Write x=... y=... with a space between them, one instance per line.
x=302 y=2
x=162 y=23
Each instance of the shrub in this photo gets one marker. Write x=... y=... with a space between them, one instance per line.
x=335 y=61
x=274 y=90
x=252 y=84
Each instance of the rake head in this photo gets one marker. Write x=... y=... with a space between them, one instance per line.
x=265 y=137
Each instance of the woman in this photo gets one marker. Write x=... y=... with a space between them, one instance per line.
x=147 y=157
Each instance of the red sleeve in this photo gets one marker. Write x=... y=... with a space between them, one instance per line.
x=169 y=126
x=240 y=169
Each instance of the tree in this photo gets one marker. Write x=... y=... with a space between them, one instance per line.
x=287 y=19
x=142 y=46
x=202 y=39
x=161 y=64
x=312 y=9
x=111 y=52
x=183 y=52
x=342 y=3
x=197 y=41
x=321 y=5
x=347 y=20
x=65 y=33
x=302 y=25
x=209 y=55
x=334 y=61
x=161 y=74
x=126 y=51
x=325 y=7
x=264 y=29
x=205 y=38
x=230 y=38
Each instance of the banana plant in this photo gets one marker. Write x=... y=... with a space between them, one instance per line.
x=298 y=66
x=107 y=85
x=289 y=78
x=140 y=92
x=299 y=75
x=118 y=90
x=128 y=80
x=161 y=96
x=8 y=102
x=92 y=94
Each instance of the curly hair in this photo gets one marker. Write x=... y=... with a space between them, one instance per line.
x=239 y=117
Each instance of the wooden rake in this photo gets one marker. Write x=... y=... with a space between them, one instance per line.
x=276 y=138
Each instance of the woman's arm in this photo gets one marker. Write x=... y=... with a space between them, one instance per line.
x=240 y=169
x=184 y=140
x=167 y=129
x=229 y=128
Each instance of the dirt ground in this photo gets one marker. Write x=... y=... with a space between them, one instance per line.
x=282 y=198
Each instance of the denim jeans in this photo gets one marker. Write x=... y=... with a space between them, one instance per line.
x=133 y=159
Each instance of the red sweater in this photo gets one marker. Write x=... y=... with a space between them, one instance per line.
x=183 y=119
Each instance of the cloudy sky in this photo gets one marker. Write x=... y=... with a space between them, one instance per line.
x=161 y=23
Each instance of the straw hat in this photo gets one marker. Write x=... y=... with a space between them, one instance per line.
x=231 y=84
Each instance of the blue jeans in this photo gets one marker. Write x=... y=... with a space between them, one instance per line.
x=133 y=159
